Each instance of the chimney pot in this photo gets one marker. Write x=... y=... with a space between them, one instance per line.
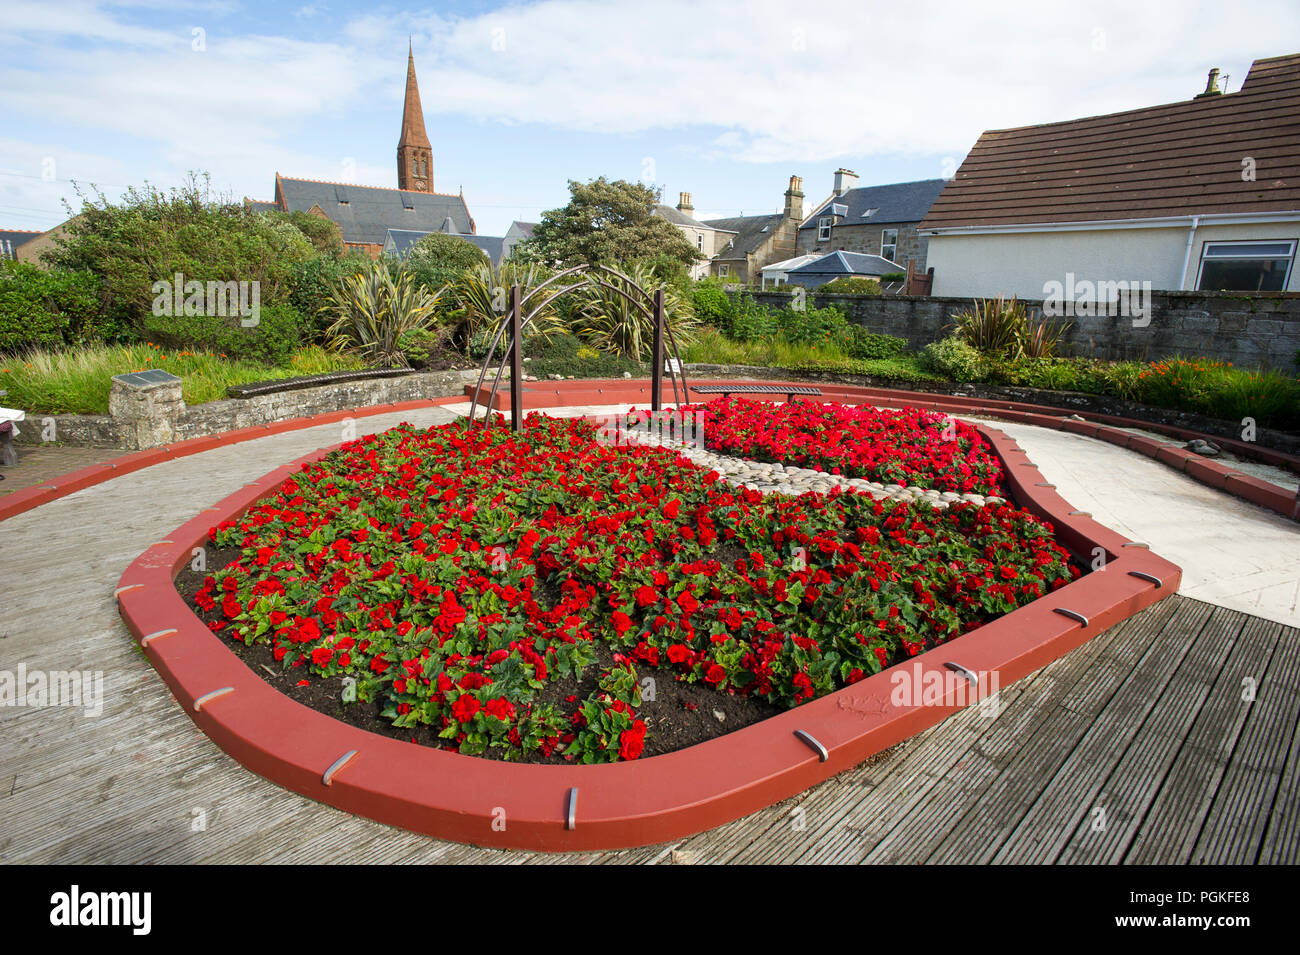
x=1211 y=85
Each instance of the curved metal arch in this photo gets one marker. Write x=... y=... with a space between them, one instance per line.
x=519 y=323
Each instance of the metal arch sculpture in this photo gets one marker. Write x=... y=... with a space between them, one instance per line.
x=518 y=317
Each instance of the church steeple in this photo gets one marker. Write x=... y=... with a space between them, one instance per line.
x=414 y=154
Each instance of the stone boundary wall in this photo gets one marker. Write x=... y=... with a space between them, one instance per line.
x=161 y=418
x=1250 y=330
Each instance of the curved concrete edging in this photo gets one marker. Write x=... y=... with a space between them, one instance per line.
x=623 y=804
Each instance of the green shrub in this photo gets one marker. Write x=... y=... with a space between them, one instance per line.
x=150 y=236
x=312 y=281
x=439 y=259
x=749 y=321
x=993 y=326
x=280 y=331
x=852 y=285
x=47 y=309
x=372 y=310
x=894 y=277
x=429 y=347
x=711 y=305
x=906 y=369
x=812 y=326
x=956 y=359
x=865 y=344
x=613 y=323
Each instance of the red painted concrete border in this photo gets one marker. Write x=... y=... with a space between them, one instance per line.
x=617 y=805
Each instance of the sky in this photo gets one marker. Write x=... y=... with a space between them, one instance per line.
x=723 y=100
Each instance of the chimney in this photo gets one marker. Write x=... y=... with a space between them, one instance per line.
x=684 y=204
x=1211 y=85
x=794 y=199
x=845 y=179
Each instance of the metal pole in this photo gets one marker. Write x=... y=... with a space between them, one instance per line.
x=657 y=369
x=516 y=363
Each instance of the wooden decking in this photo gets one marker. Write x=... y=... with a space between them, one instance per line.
x=1170 y=738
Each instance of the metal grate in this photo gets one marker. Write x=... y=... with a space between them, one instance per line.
x=788 y=390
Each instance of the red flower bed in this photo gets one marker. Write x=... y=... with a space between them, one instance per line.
x=455 y=573
x=908 y=446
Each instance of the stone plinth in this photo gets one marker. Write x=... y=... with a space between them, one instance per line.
x=146 y=406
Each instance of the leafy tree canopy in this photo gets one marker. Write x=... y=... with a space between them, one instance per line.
x=609 y=222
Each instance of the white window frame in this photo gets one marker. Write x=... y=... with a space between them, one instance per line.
x=1206 y=254
x=699 y=241
x=824 y=226
x=892 y=246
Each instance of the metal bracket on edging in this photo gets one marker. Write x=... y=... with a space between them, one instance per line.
x=571 y=813
x=958 y=668
x=121 y=590
x=209 y=697
x=151 y=637
x=813 y=744
x=1081 y=513
x=1136 y=544
x=336 y=766
x=1143 y=575
x=1072 y=614
x=1044 y=484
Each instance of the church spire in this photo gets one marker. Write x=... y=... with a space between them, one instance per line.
x=414 y=154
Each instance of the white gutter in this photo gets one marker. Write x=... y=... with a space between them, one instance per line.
x=1187 y=255
x=1163 y=222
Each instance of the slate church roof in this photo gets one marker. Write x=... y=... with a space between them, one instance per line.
x=366 y=213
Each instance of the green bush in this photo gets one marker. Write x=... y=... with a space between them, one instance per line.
x=150 y=236
x=894 y=277
x=956 y=359
x=865 y=344
x=440 y=259
x=280 y=331
x=429 y=347
x=906 y=369
x=48 y=309
x=313 y=281
x=812 y=326
x=749 y=321
x=852 y=285
x=566 y=354
x=711 y=305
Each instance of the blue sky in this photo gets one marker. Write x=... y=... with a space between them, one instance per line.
x=723 y=100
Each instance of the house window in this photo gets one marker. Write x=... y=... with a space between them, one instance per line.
x=824 y=228
x=888 y=243
x=724 y=270
x=699 y=241
x=1246 y=266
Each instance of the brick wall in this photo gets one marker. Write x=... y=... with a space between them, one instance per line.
x=1247 y=329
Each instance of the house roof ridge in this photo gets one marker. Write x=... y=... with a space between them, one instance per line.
x=360 y=185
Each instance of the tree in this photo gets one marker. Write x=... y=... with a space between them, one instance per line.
x=607 y=222
x=439 y=259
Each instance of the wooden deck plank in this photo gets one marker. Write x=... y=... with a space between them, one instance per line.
x=1234 y=829
x=1138 y=775
x=1177 y=815
x=909 y=833
x=1282 y=840
x=1088 y=793
x=990 y=820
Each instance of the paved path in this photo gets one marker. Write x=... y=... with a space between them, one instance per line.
x=1138 y=746
x=38 y=463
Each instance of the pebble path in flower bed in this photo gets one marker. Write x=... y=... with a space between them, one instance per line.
x=773 y=478
x=505 y=595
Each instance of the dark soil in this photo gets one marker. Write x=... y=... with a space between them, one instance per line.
x=680 y=715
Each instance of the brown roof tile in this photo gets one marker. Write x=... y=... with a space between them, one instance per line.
x=1178 y=159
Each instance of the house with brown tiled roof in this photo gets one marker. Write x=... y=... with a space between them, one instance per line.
x=1199 y=194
